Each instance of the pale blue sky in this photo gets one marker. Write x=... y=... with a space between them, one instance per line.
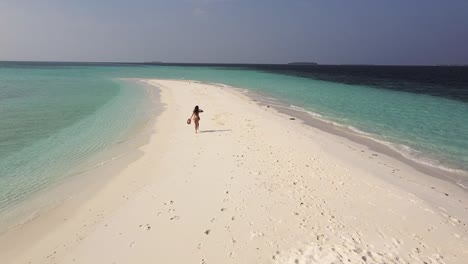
x=236 y=31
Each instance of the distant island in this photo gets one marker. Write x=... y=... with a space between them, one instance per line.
x=302 y=63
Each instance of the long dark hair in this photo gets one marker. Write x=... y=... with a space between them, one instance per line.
x=196 y=110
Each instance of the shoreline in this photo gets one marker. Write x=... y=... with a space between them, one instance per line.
x=457 y=177
x=362 y=141
x=89 y=173
x=253 y=187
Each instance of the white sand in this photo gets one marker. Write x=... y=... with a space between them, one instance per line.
x=255 y=187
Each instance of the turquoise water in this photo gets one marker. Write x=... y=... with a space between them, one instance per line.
x=53 y=118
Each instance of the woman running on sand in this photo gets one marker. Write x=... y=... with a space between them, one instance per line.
x=196 y=117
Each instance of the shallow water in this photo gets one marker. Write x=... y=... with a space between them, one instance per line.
x=52 y=120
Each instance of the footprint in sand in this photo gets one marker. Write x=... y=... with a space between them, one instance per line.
x=148 y=227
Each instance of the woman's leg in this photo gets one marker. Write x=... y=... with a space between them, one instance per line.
x=196 y=126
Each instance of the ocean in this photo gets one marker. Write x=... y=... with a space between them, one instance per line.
x=55 y=117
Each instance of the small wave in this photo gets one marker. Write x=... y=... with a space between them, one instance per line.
x=314 y=114
x=295 y=107
x=106 y=161
x=420 y=157
x=223 y=85
x=357 y=130
x=412 y=154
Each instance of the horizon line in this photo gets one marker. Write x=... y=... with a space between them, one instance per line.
x=293 y=63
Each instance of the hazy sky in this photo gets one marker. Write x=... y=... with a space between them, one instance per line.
x=233 y=31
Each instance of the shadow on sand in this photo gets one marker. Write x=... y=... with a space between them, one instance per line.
x=212 y=131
